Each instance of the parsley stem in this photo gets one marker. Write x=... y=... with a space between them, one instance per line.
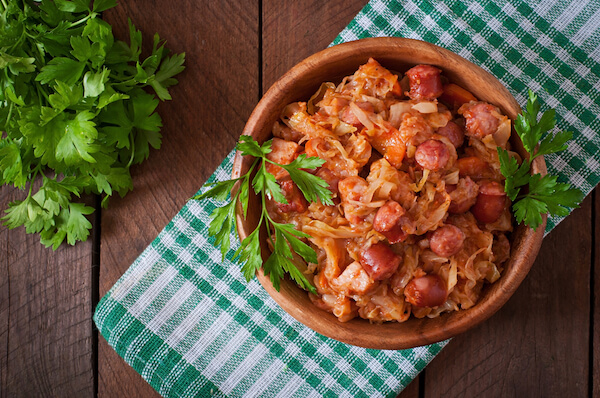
x=41 y=94
x=82 y=20
x=9 y=113
x=132 y=140
x=36 y=170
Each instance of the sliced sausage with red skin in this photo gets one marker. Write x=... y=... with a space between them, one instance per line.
x=426 y=291
x=349 y=117
x=295 y=199
x=396 y=234
x=387 y=221
x=432 y=155
x=379 y=261
x=453 y=132
x=282 y=152
x=388 y=216
x=330 y=178
x=479 y=119
x=447 y=240
x=463 y=196
x=425 y=82
x=490 y=203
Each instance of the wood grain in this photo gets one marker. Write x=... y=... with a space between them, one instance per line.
x=45 y=315
x=217 y=93
x=413 y=389
x=4 y=299
x=538 y=342
x=200 y=125
x=293 y=30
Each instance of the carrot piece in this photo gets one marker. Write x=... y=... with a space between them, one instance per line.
x=455 y=95
x=397 y=89
x=473 y=167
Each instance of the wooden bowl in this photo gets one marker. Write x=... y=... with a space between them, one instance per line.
x=399 y=55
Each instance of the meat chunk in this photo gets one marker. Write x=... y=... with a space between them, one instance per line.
x=432 y=155
x=374 y=80
x=282 y=152
x=352 y=188
x=425 y=82
x=351 y=191
x=353 y=280
x=284 y=132
x=481 y=118
x=295 y=199
x=389 y=142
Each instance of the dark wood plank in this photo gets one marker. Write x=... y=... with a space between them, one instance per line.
x=4 y=302
x=45 y=315
x=293 y=30
x=412 y=390
x=538 y=343
x=116 y=378
x=595 y=299
x=216 y=94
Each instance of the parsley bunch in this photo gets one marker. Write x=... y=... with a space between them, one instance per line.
x=283 y=237
x=534 y=195
x=73 y=110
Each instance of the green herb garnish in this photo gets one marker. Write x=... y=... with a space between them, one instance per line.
x=73 y=110
x=544 y=194
x=283 y=237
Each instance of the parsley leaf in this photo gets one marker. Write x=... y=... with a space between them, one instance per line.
x=542 y=194
x=312 y=187
x=286 y=242
x=76 y=110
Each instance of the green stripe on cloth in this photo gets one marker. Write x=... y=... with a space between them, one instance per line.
x=192 y=310
x=191 y=325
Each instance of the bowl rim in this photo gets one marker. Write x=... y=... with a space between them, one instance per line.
x=389 y=335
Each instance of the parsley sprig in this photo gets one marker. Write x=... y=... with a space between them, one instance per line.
x=75 y=111
x=534 y=195
x=284 y=238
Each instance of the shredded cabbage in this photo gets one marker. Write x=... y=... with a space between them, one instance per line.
x=367 y=132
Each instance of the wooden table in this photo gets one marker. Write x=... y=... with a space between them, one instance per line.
x=544 y=342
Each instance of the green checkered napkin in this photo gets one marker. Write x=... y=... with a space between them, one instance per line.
x=192 y=326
